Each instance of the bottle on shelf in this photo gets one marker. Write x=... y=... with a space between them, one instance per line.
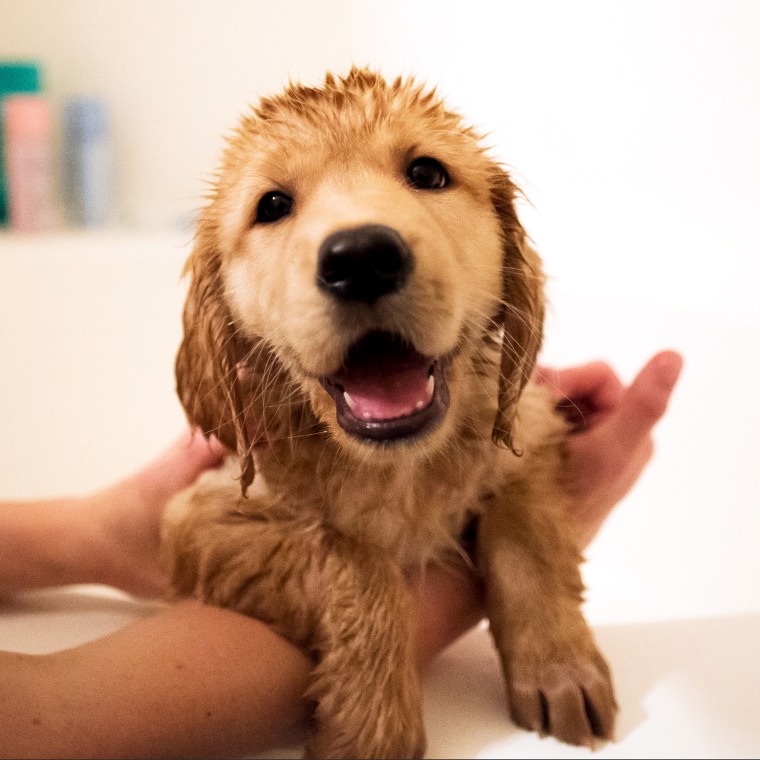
x=88 y=165
x=29 y=163
x=15 y=77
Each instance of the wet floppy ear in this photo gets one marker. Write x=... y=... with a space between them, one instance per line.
x=522 y=310
x=206 y=365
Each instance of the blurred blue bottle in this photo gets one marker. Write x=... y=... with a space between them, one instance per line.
x=88 y=163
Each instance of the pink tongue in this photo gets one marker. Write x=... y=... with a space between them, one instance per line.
x=386 y=392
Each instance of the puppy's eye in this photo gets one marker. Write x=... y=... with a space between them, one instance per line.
x=427 y=174
x=273 y=206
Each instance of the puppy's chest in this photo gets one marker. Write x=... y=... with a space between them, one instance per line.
x=414 y=514
x=414 y=510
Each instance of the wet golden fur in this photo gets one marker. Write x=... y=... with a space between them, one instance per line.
x=318 y=541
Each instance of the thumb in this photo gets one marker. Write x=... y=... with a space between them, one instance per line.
x=645 y=400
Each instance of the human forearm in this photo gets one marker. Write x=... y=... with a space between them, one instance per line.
x=190 y=681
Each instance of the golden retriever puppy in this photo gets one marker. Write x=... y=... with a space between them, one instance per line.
x=363 y=317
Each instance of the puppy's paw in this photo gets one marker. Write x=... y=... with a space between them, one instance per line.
x=367 y=728
x=568 y=695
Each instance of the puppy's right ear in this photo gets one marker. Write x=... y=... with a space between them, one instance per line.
x=522 y=307
x=206 y=367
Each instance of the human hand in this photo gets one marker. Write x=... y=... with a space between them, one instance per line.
x=127 y=516
x=109 y=537
x=611 y=442
x=609 y=447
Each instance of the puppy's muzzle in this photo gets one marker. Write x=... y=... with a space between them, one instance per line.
x=363 y=263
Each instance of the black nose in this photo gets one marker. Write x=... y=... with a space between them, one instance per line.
x=363 y=263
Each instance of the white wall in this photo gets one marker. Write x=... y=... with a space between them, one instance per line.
x=176 y=74
x=632 y=126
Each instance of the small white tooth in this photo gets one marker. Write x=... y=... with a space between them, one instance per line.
x=419 y=404
x=430 y=387
x=349 y=401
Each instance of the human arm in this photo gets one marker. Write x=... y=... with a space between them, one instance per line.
x=108 y=537
x=189 y=681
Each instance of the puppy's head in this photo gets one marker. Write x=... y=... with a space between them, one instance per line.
x=358 y=250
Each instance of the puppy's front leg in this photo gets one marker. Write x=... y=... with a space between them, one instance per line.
x=557 y=681
x=347 y=605
x=366 y=687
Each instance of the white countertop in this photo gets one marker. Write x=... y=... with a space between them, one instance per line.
x=89 y=324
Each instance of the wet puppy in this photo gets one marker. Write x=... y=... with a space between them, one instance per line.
x=363 y=318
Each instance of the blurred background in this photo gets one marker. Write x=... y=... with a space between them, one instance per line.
x=632 y=127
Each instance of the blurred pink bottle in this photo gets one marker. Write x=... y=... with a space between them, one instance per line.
x=29 y=163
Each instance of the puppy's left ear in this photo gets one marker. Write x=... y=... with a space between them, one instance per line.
x=206 y=366
x=522 y=308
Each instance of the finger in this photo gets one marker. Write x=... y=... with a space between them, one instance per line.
x=595 y=383
x=206 y=451
x=645 y=401
x=585 y=393
x=182 y=462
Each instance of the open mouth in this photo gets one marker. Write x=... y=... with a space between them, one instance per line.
x=387 y=391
